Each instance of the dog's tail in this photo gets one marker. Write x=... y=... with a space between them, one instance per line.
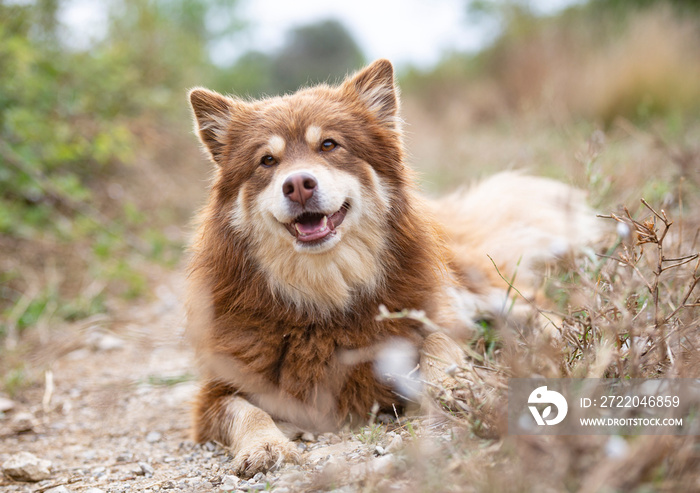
x=516 y=223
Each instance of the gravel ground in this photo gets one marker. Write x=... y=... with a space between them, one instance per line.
x=112 y=415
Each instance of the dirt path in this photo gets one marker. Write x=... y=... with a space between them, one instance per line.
x=117 y=418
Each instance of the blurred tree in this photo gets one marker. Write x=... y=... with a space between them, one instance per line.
x=251 y=75
x=315 y=53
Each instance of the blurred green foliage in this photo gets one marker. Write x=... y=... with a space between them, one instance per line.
x=65 y=116
x=70 y=124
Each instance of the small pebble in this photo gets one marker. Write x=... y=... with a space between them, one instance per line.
x=146 y=469
x=154 y=436
x=382 y=465
x=6 y=405
x=106 y=342
x=22 y=423
x=89 y=455
x=395 y=444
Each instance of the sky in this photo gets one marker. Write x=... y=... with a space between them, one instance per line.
x=416 y=32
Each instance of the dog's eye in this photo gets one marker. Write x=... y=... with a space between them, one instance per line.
x=328 y=145
x=268 y=161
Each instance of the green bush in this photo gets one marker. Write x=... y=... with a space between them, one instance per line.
x=70 y=125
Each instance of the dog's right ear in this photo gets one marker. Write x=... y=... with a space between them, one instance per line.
x=212 y=118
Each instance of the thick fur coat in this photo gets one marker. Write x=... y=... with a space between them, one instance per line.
x=313 y=222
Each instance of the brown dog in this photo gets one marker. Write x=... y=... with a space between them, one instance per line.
x=314 y=222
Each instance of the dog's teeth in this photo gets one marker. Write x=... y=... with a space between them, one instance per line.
x=302 y=229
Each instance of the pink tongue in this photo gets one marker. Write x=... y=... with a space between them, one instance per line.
x=310 y=227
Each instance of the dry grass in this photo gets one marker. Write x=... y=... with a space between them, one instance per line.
x=565 y=106
x=631 y=310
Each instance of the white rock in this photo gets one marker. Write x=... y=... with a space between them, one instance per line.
x=383 y=464
x=22 y=422
x=395 y=444
x=230 y=482
x=379 y=465
x=109 y=342
x=146 y=469
x=154 y=436
x=6 y=405
x=26 y=467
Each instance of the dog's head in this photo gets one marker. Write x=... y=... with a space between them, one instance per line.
x=314 y=174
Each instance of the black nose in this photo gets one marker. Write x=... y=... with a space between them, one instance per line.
x=299 y=187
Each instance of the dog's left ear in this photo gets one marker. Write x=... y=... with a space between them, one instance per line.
x=377 y=90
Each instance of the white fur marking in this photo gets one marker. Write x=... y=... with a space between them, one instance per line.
x=277 y=145
x=382 y=190
x=237 y=215
x=313 y=135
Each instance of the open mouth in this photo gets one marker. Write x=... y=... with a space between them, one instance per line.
x=315 y=227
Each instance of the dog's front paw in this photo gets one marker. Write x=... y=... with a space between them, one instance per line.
x=264 y=455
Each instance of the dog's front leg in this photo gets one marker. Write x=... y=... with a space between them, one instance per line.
x=257 y=443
